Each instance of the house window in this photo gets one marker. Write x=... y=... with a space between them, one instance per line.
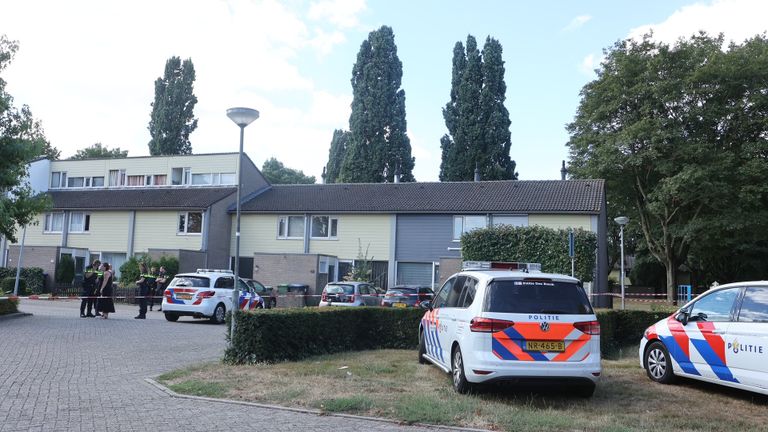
x=202 y=179
x=97 y=182
x=155 y=180
x=79 y=222
x=324 y=227
x=117 y=177
x=465 y=224
x=75 y=182
x=54 y=222
x=290 y=227
x=190 y=223
x=58 y=179
x=180 y=176
x=135 y=180
x=227 y=178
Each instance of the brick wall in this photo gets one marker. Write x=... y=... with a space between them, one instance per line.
x=276 y=269
x=36 y=256
x=448 y=266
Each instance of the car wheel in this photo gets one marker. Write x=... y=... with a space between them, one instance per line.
x=460 y=383
x=171 y=317
x=218 y=314
x=585 y=390
x=422 y=349
x=658 y=364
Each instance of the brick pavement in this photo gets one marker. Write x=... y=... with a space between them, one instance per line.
x=62 y=372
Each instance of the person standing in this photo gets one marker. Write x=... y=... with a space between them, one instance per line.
x=89 y=287
x=97 y=286
x=160 y=283
x=105 y=302
x=152 y=286
x=145 y=282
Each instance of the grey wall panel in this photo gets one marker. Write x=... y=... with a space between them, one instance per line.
x=425 y=238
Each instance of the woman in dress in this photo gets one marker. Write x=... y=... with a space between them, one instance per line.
x=106 y=304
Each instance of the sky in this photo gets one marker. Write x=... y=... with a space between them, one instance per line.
x=86 y=68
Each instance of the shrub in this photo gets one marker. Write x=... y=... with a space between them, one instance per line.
x=294 y=334
x=7 y=284
x=33 y=278
x=129 y=271
x=65 y=270
x=537 y=244
x=8 y=306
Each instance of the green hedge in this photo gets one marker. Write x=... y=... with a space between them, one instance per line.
x=293 y=334
x=33 y=277
x=546 y=246
x=8 y=306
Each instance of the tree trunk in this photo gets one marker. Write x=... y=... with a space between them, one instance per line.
x=671 y=267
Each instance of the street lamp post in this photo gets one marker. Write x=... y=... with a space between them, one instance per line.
x=622 y=220
x=242 y=117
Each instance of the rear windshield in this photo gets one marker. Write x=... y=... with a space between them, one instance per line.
x=517 y=296
x=340 y=289
x=397 y=291
x=191 y=281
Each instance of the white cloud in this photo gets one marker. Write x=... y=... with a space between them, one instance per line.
x=589 y=64
x=736 y=19
x=577 y=22
x=87 y=68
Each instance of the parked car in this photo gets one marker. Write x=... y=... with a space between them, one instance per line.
x=406 y=296
x=207 y=293
x=349 y=294
x=497 y=325
x=264 y=291
x=719 y=337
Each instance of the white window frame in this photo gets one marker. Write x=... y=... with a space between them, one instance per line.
x=86 y=223
x=92 y=182
x=122 y=178
x=186 y=223
x=186 y=176
x=331 y=220
x=86 y=182
x=286 y=221
x=464 y=230
x=48 y=223
x=62 y=179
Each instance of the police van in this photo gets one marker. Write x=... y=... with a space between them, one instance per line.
x=720 y=337
x=207 y=293
x=509 y=322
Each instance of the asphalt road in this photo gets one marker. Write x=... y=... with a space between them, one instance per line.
x=62 y=372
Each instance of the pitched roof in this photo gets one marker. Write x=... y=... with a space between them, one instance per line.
x=181 y=198
x=515 y=196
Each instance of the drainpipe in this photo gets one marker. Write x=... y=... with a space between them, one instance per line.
x=307 y=228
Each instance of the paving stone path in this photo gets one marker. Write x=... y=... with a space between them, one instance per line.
x=62 y=372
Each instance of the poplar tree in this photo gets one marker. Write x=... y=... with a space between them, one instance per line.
x=336 y=155
x=172 y=118
x=477 y=121
x=378 y=145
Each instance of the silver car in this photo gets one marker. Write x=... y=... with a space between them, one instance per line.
x=349 y=294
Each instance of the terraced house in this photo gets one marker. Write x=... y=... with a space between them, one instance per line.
x=308 y=234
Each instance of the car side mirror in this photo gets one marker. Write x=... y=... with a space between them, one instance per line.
x=682 y=316
x=426 y=305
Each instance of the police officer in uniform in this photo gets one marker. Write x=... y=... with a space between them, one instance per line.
x=89 y=288
x=145 y=282
x=160 y=283
x=97 y=286
x=153 y=287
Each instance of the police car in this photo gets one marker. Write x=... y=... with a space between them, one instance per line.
x=496 y=322
x=720 y=337
x=207 y=293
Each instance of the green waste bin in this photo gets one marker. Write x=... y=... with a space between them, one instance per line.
x=282 y=288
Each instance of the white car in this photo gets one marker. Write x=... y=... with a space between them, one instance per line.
x=206 y=294
x=514 y=326
x=719 y=337
x=349 y=294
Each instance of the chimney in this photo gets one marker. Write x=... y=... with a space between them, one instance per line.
x=477 y=173
x=323 y=176
x=563 y=171
x=397 y=174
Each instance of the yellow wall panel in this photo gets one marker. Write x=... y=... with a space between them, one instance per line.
x=561 y=221
x=259 y=234
x=108 y=233
x=158 y=230
x=372 y=231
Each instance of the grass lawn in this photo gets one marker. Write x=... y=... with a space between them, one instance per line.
x=391 y=384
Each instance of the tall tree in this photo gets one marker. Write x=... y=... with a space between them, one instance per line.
x=172 y=118
x=21 y=141
x=681 y=132
x=277 y=173
x=378 y=145
x=476 y=118
x=97 y=151
x=336 y=155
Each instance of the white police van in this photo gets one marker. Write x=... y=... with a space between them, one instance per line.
x=207 y=293
x=719 y=337
x=496 y=322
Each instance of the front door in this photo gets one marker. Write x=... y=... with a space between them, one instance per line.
x=747 y=339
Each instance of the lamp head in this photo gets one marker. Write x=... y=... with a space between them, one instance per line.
x=242 y=116
x=621 y=220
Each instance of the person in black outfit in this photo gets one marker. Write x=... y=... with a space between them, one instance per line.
x=145 y=283
x=153 y=286
x=89 y=287
x=160 y=283
x=105 y=302
x=97 y=286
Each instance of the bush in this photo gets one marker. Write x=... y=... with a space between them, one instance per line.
x=33 y=278
x=537 y=244
x=7 y=284
x=8 y=306
x=65 y=270
x=129 y=271
x=294 y=334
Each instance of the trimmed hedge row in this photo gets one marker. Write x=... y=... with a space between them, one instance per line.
x=8 y=306
x=33 y=278
x=294 y=334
